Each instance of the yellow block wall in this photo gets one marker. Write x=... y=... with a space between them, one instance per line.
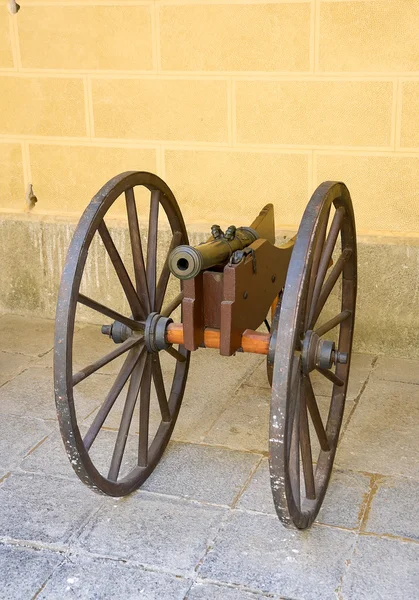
x=233 y=103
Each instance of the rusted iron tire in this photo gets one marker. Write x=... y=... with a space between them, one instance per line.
x=302 y=347
x=142 y=368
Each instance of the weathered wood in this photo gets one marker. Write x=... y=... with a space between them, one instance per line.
x=251 y=341
x=250 y=287
x=193 y=312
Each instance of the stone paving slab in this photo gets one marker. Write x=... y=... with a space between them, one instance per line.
x=18 y=436
x=11 y=365
x=23 y=571
x=32 y=394
x=397 y=369
x=257 y=551
x=342 y=506
x=50 y=457
x=170 y=534
x=26 y=335
x=382 y=436
x=44 y=509
x=244 y=425
x=382 y=569
x=87 y=578
x=394 y=508
x=208 y=591
x=212 y=383
x=202 y=473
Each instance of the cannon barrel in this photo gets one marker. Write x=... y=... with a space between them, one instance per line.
x=185 y=262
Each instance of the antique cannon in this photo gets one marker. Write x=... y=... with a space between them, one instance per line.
x=228 y=286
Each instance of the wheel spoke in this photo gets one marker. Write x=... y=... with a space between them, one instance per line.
x=325 y=260
x=165 y=273
x=113 y=394
x=342 y=316
x=315 y=265
x=175 y=353
x=144 y=414
x=331 y=281
x=121 y=349
x=305 y=446
x=294 y=456
x=160 y=390
x=131 y=399
x=109 y=312
x=330 y=376
x=121 y=271
x=315 y=415
x=152 y=247
x=137 y=251
x=167 y=311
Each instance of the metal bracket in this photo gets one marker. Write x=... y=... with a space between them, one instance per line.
x=240 y=255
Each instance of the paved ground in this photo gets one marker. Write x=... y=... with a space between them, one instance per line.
x=203 y=527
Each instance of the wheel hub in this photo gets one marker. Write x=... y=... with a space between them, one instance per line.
x=318 y=353
x=154 y=332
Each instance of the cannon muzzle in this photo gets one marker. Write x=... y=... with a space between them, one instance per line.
x=185 y=262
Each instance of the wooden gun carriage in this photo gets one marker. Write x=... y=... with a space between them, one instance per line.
x=228 y=285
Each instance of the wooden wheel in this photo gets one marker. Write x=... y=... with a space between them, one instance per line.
x=141 y=375
x=307 y=346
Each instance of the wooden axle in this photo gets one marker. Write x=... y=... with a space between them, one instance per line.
x=251 y=341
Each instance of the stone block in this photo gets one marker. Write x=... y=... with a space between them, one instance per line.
x=382 y=569
x=383 y=174
x=12 y=187
x=409 y=127
x=157 y=532
x=18 y=436
x=202 y=473
x=244 y=424
x=235 y=37
x=44 y=509
x=393 y=509
x=219 y=196
x=359 y=33
x=156 y=109
x=258 y=552
x=30 y=336
x=61 y=37
x=339 y=113
x=23 y=571
x=12 y=365
x=382 y=434
x=341 y=507
x=57 y=106
x=85 y=578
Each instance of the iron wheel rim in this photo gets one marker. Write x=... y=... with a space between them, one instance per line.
x=65 y=320
x=287 y=365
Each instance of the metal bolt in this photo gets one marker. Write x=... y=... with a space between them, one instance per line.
x=107 y=330
x=341 y=357
x=273 y=278
x=245 y=295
